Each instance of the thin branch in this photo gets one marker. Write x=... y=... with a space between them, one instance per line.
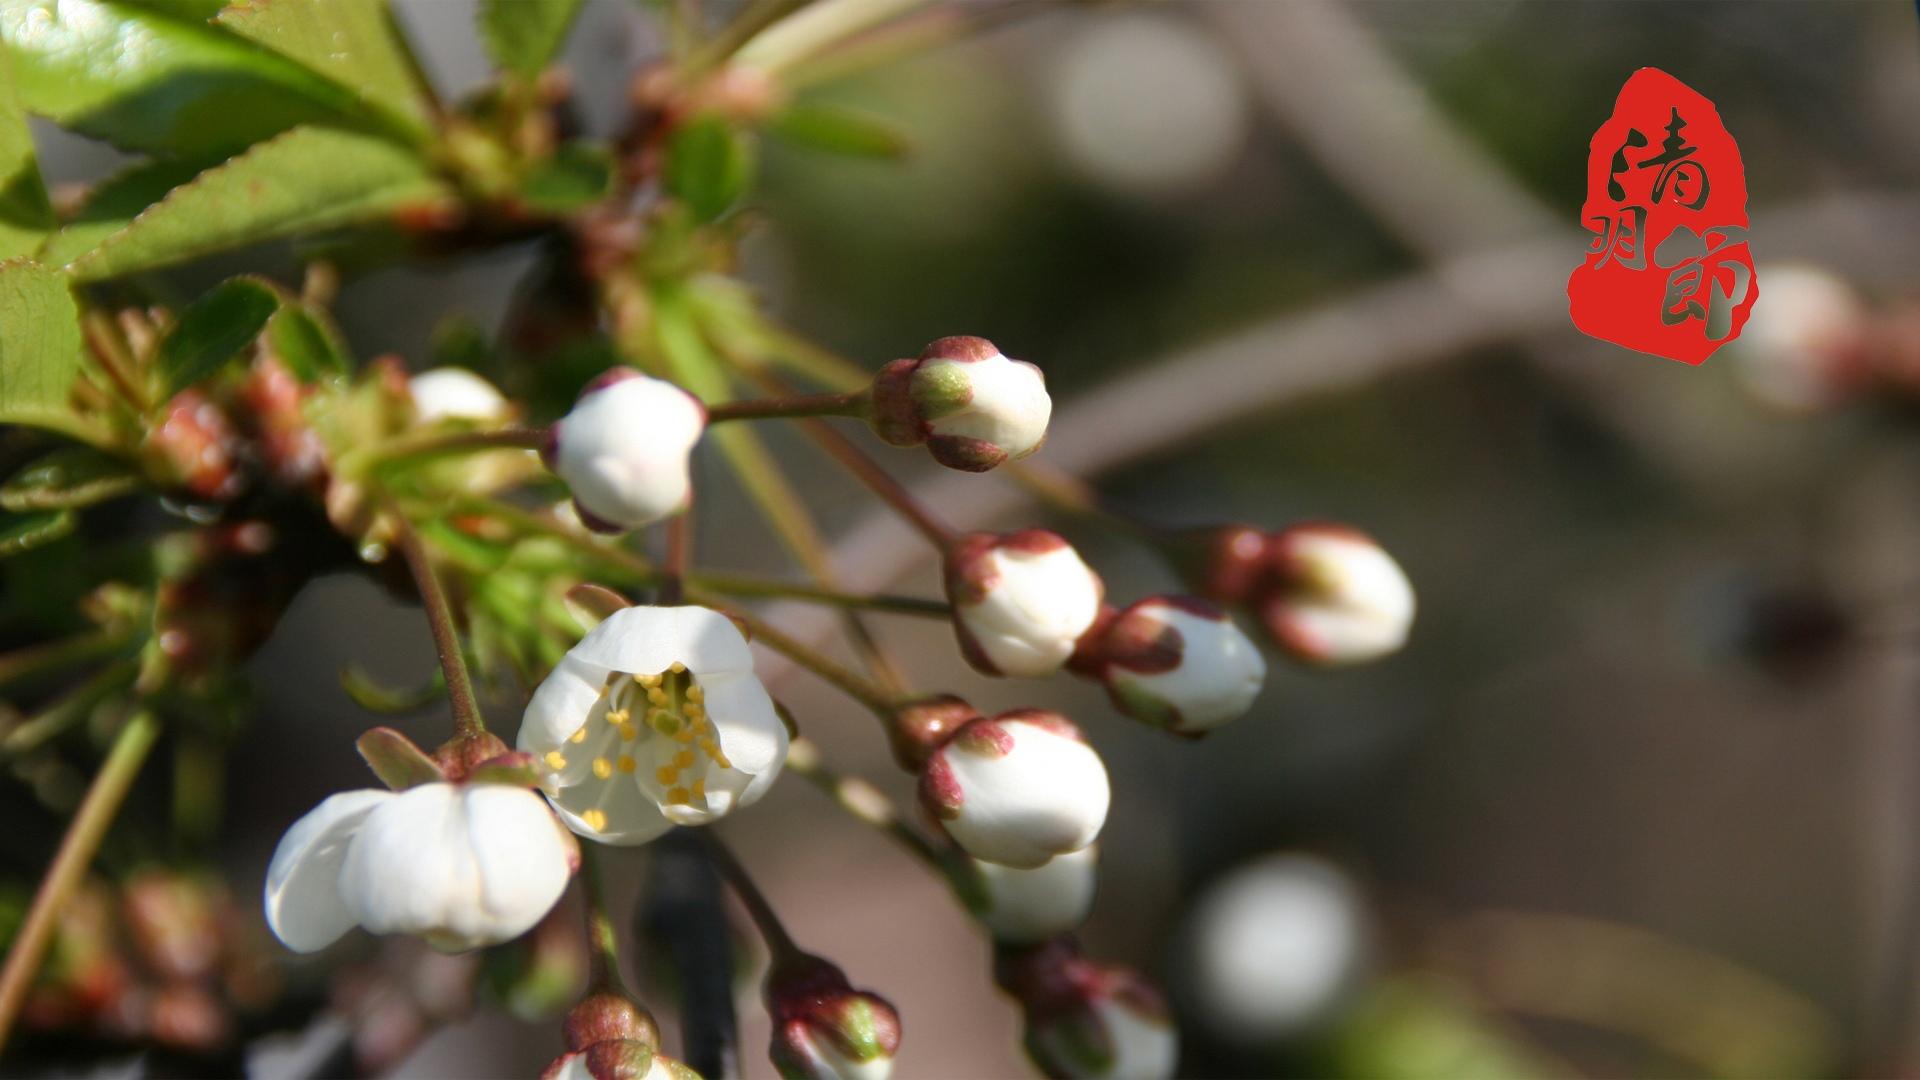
x=772 y=931
x=436 y=444
x=852 y=403
x=856 y=686
x=70 y=864
x=862 y=800
x=446 y=638
x=881 y=483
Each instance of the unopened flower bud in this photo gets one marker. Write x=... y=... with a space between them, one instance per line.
x=200 y=446
x=824 y=1029
x=608 y=1015
x=1225 y=563
x=971 y=405
x=1020 y=600
x=1017 y=789
x=1176 y=662
x=1340 y=598
x=173 y=920
x=451 y=393
x=617 y=1059
x=624 y=449
x=1020 y=907
x=1088 y=1020
x=920 y=727
x=1807 y=344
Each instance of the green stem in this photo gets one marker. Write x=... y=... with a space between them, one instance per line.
x=864 y=801
x=446 y=639
x=881 y=483
x=440 y=444
x=603 y=934
x=817 y=29
x=744 y=27
x=67 y=710
x=780 y=944
x=54 y=655
x=856 y=686
x=853 y=403
x=76 y=853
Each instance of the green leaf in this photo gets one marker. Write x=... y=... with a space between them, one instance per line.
x=152 y=78
x=709 y=165
x=396 y=760
x=213 y=330
x=68 y=478
x=307 y=179
x=373 y=697
x=113 y=204
x=578 y=175
x=25 y=215
x=39 y=346
x=307 y=343
x=838 y=131
x=24 y=532
x=523 y=35
x=352 y=42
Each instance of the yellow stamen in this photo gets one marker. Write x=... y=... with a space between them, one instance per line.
x=595 y=819
x=679 y=796
x=695 y=694
x=684 y=759
x=678 y=668
x=617 y=716
x=556 y=760
x=648 y=681
x=684 y=735
x=602 y=768
x=625 y=763
x=667 y=774
x=657 y=696
x=629 y=732
x=693 y=711
x=578 y=736
x=720 y=759
x=700 y=789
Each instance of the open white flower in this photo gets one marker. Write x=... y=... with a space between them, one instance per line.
x=971 y=405
x=1341 y=599
x=1179 y=663
x=624 y=449
x=654 y=719
x=451 y=393
x=461 y=865
x=1022 y=907
x=1019 y=788
x=1020 y=600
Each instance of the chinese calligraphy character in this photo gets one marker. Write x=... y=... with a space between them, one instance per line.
x=1701 y=261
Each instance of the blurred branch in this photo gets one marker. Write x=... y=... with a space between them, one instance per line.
x=682 y=916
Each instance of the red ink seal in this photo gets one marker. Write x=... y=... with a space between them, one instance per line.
x=1668 y=271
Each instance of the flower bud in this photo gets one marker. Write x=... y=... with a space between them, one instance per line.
x=1088 y=1020
x=824 y=1029
x=1020 y=600
x=173 y=920
x=1807 y=344
x=451 y=393
x=608 y=1015
x=1225 y=563
x=624 y=449
x=1020 y=907
x=1339 y=598
x=971 y=405
x=200 y=446
x=1176 y=662
x=1017 y=789
x=617 y=1059
x=920 y=727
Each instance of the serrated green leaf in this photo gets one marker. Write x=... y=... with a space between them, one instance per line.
x=351 y=42
x=66 y=479
x=26 y=217
x=213 y=330
x=24 y=532
x=155 y=79
x=307 y=343
x=113 y=204
x=39 y=345
x=709 y=164
x=578 y=175
x=838 y=131
x=523 y=35
x=307 y=179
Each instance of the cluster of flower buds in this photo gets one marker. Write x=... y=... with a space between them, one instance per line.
x=1085 y=1020
x=1176 y=662
x=610 y=1037
x=200 y=446
x=1326 y=594
x=1018 y=789
x=972 y=406
x=624 y=447
x=1021 y=601
x=823 y=1028
x=461 y=853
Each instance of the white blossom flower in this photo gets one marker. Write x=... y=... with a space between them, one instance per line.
x=1805 y=345
x=1020 y=600
x=1026 y=906
x=624 y=449
x=451 y=393
x=972 y=405
x=1277 y=944
x=1019 y=788
x=654 y=719
x=1341 y=599
x=461 y=865
x=1179 y=663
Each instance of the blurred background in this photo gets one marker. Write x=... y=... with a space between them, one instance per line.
x=1639 y=797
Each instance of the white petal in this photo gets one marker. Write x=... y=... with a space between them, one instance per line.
x=1047 y=796
x=1009 y=406
x=560 y=704
x=646 y=640
x=522 y=861
x=1219 y=675
x=628 y=823
x=749 y=729
x=303 y=882
x=623 y=449
x=410 y=864
x=451 y=393
x=573 y=1067
x=1027 y=906
x=830 y=1064
x=1037 y=609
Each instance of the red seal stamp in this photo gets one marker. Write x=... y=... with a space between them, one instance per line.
x=1668 y=271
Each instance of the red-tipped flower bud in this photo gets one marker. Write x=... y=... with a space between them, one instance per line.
x=1176 y=662
x=824 y=1029
x=1088 y=1020
x=1017 y=789
x=971 y=405
x=1339 y=598
x=1020 y=600
x=608 y=1015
